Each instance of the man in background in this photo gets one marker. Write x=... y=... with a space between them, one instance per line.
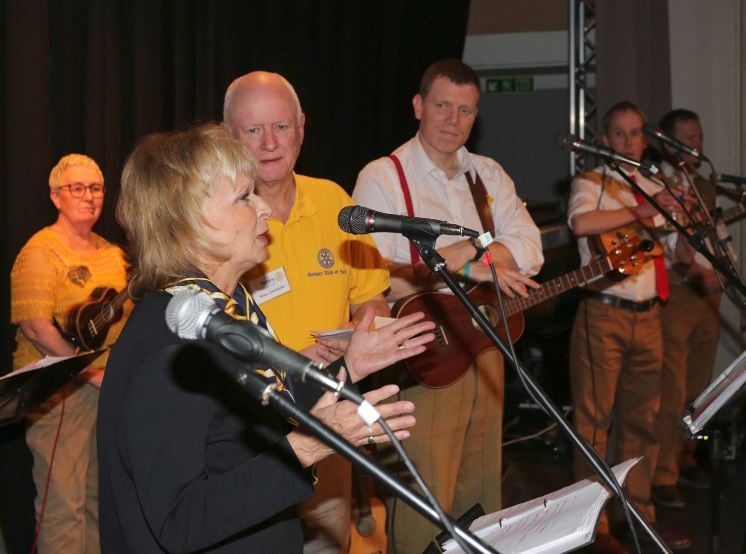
x=690 y=321
x=616 y=349
x=316 y=276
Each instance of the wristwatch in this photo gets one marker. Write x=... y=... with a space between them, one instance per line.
x=480 y=249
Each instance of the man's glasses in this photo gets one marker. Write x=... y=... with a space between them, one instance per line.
x=77 y=190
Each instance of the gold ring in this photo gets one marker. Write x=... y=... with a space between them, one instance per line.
x=371 y=440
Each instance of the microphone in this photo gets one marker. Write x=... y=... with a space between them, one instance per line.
x=725 y=178
x=191 y=314
x=571 y=143
x=359 y=220
x=673 y=143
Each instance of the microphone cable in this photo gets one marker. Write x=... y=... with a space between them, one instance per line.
x=487 y=260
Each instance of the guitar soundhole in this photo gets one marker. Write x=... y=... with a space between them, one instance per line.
x=490 y=312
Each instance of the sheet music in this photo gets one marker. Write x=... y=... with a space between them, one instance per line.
x=345 y=334
x=38 y=364
x=558 y=522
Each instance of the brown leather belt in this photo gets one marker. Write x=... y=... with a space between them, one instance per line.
x=611 y=300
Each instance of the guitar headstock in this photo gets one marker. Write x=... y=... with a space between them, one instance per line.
x=626 y=251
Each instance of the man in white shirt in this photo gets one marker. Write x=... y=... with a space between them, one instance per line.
x=691 y=325
x=457 y=442
x=616 y=350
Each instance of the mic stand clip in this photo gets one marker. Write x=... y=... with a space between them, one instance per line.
x=695 y=239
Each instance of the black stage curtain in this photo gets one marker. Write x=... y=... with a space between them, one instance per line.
x=93 y=76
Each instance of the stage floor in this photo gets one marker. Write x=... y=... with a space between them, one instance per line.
x=544 y=464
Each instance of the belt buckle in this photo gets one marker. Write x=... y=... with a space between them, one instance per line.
x=645 y=305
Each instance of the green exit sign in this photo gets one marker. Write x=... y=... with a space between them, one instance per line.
x=509 y=84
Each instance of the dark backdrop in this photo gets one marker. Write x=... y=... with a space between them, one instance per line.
x=93 y=76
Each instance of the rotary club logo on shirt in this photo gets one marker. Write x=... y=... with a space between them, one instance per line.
x=325 y=258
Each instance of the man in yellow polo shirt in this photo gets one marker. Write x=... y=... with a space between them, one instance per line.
x=316 y=276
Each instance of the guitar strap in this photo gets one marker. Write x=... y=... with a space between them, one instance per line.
x=413 y=254
x=479 y=195
x=661 y=273
x=482 y=201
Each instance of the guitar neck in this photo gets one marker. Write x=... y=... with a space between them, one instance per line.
x=364 y=493
x=120 y=299
x=558 y=285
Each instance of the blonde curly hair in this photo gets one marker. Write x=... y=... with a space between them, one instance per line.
x=71 y=160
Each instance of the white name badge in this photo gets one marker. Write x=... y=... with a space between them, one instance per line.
x=270 y=285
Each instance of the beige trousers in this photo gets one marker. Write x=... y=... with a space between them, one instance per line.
x=326 y=515
x=70 y=521
x=691 y=329
x=457 y=447
x=615 y=370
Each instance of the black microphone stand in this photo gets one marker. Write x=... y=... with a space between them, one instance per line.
x=709 y=227
x=267 y=395
x=426 y=248
x=695 y=238
x=725 y=178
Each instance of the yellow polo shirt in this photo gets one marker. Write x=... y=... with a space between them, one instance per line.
x=315 y=269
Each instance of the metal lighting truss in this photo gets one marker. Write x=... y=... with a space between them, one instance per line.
x=582 y=60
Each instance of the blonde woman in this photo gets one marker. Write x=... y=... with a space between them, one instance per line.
x=188 y=463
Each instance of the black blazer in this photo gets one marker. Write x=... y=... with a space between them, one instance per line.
x=187 y=461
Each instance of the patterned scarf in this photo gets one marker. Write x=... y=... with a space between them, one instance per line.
x=242 y=307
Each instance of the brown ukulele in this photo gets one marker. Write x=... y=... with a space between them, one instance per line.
x=87 y=324
x=368 y=529
x=458 y=338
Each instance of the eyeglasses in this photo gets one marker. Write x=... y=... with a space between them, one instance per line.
x=77 y=190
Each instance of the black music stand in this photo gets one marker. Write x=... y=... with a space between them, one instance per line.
x=23 y=390
x=714 y=397
x=697 y=416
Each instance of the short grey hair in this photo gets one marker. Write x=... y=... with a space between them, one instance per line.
x=230 y=93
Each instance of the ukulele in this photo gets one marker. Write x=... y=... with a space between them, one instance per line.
x=368 y=529
x=87 y=324
x=458 y=338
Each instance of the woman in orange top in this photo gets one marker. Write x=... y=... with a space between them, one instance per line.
x=58 y=268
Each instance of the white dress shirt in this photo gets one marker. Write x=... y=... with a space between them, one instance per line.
x=436 y=196
x=587 y=195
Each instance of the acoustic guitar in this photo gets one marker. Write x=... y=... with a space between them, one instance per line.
x=87 y=324
x=458 y=338
x=368 y=529
x=607 y=242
